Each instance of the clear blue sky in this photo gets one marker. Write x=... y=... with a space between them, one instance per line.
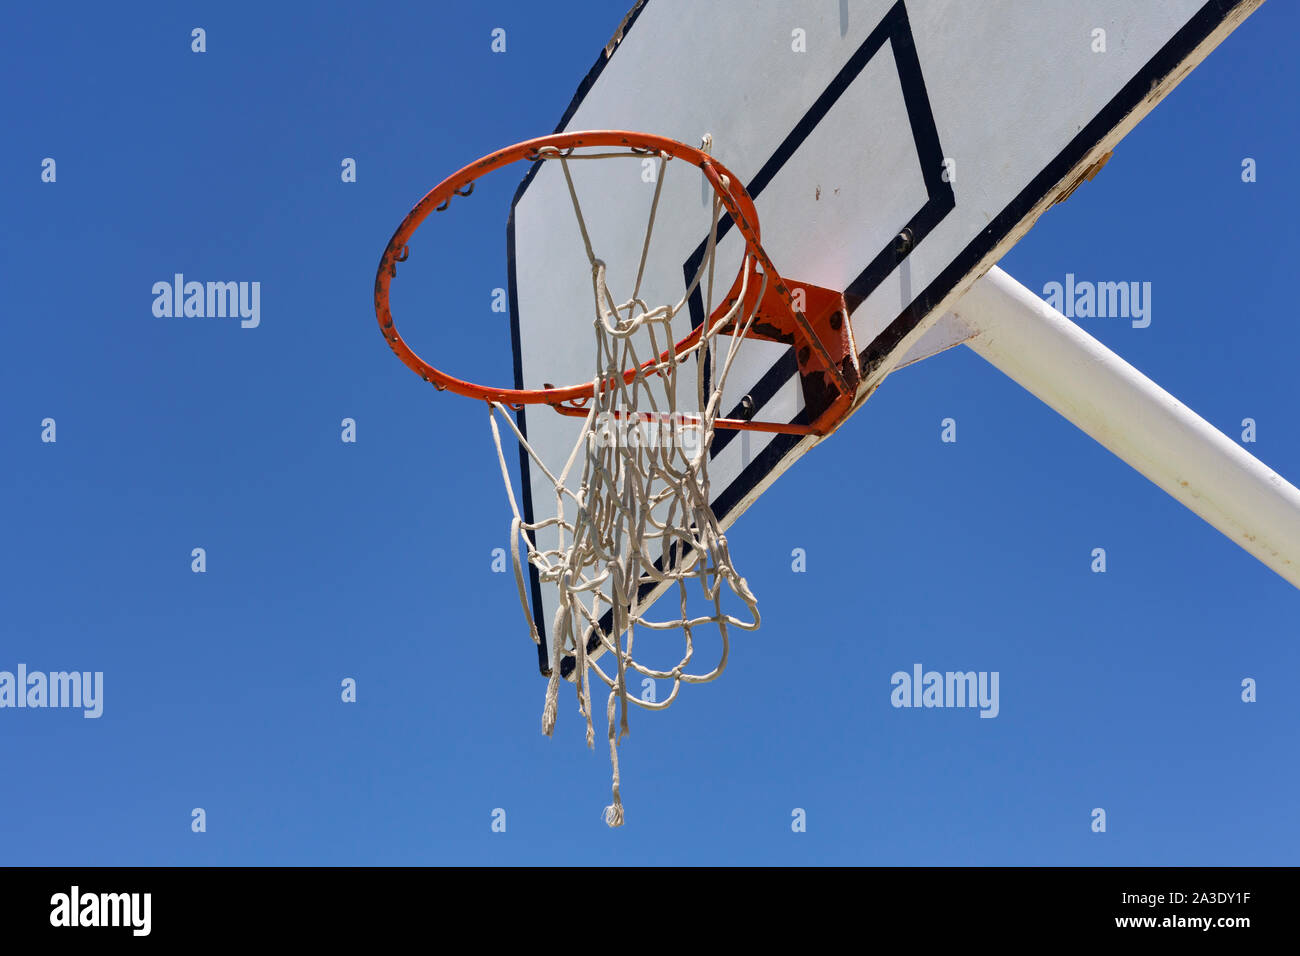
x=371 y=560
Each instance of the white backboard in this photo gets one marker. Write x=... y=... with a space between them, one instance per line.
x=849 y=122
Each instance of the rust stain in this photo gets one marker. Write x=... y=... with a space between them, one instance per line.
x=1085 y=176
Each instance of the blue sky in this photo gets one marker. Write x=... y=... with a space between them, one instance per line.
x=371 y=560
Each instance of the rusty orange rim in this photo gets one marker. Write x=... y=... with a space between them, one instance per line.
x=570 y=398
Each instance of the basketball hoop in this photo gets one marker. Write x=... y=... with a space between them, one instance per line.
x=632 y=515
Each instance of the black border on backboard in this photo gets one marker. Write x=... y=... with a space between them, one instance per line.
x=1197 y=29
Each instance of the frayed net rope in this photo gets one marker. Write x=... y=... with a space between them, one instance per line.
x=636 y=499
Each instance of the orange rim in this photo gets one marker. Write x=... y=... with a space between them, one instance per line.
x=733 y=195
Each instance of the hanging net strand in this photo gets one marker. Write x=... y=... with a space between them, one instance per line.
x=632 y=515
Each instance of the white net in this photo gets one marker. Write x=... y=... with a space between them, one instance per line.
x=632 y=515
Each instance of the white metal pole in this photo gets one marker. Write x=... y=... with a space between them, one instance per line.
x=1110 y=400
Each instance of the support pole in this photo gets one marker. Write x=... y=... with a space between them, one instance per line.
x=1183 y=454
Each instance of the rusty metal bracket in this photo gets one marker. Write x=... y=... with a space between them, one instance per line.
x=821 y=335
